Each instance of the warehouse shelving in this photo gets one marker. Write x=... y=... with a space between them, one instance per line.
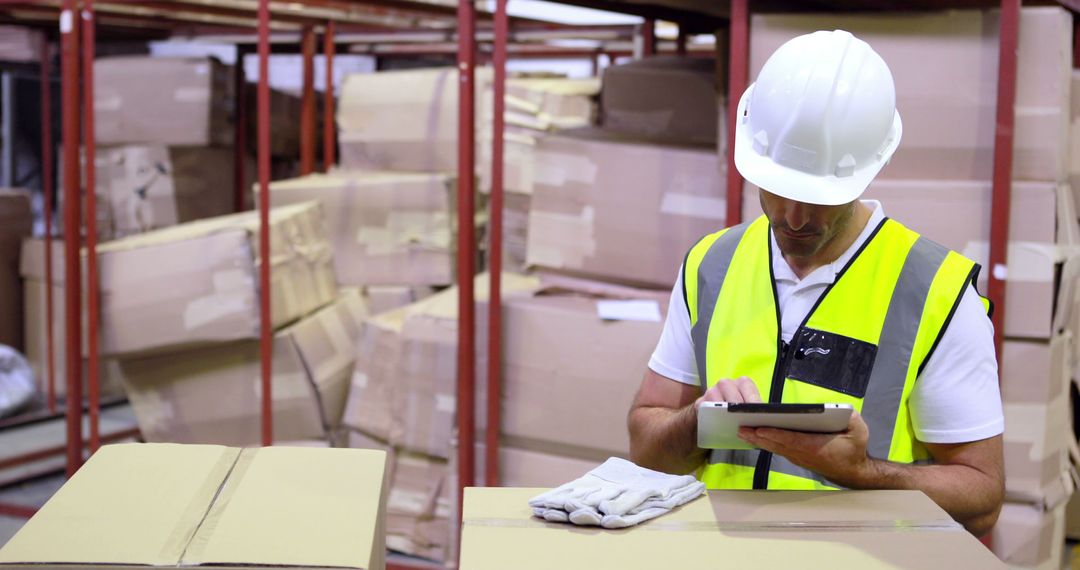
x=362 y=27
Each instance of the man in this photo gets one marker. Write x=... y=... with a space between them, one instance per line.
x=825 y=300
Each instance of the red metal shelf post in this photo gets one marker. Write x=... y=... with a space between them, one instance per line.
x=307 y=103
x=93 y=309
x=265 y=327
x=738 y=72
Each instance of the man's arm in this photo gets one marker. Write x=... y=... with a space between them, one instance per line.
x=663 y=420
x=967 y=479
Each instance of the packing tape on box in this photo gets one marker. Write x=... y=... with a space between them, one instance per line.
x=196 y=512
x=557 y=168
x=744 y=526
x=212 y=308
x=561 y=240
x=689 y=205
x=230 y=482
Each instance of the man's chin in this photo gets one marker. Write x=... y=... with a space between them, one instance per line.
x=797 y=248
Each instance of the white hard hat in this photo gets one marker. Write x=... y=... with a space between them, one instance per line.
x=820 y=121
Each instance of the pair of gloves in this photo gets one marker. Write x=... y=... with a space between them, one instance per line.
x=617 y=494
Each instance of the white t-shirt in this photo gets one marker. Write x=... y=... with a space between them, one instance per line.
x=956 y=398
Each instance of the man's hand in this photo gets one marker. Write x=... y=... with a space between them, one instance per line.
x=839 y=457
x=737 y=391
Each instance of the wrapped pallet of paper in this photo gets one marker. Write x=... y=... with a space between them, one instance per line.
x=174 y=506
x=197 y=283
x=672 y=98
x=948 y=108
x=386 y=228
x=610 y=207
x=16 y=223
x=402 y=120
x=32 y=269
x=213 y=394
x=164 y=100
x=156 y=186
x=404 y=388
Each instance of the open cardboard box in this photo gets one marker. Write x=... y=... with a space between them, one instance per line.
x=171 y=506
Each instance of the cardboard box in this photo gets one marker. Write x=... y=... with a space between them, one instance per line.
x=948 y=109
x=418 y=506
x=519 y=161
x=154 y=186
x=386 y=228
x=589 y=184
x=160 y=505
x=520 y=467
x=549 y=103
x=21 y=44
x=847 y=529
x=1028 y=537
x=16 y=223
x=674 y=98
x=285 y=112
x=404 y=389
x=385 y=298
x=1036 y=372
x=214 y=394
x=563 y=361
x=32 y=268
x=1036 y=446
x=402 y=120
x=164 y=100
x=197 y=283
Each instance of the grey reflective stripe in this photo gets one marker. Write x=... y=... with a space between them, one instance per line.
x=710 y=277
x=740 y=457
x=749 y=457
x=882 y=402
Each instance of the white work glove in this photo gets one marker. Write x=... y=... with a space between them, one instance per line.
x=616 y=494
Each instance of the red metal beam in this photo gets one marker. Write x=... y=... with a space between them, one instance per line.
x=45 y=453
x=648 y=38
x=494 y=382
x=1003 y=157
x=307 y=103
x=69 y=65
x=47 y=199
x=240 y=131
x=263 y=120
x=329 y=51
x=93 y=310
x=19 y=511
x=466 y=372
x=738 y=72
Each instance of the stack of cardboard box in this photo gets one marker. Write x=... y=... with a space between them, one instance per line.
x=534 y=107
x=938 y=183
x=180 y=316
x=155 y=168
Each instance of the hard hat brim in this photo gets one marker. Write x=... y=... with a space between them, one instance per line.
x=797 y=185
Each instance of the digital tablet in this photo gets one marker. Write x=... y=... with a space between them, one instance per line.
x=719 y=422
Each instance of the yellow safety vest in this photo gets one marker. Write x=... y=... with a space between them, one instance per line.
x=864 y=343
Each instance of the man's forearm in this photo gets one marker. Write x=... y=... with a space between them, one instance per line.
x=665 y=439
x=970 y=496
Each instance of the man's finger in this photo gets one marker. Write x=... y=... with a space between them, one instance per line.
x=748 y=390
x=730 y=391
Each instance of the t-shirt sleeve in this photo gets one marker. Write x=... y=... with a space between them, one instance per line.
x=674 y=354
x=957 y=399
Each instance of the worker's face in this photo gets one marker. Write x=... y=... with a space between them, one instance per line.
x=801 y=229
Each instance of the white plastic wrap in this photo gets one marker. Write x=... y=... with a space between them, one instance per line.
x=16 y=381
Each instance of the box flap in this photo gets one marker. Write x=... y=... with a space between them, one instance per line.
x=132 y=504
x=296 y=507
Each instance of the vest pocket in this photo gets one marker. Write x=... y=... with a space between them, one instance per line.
x=831 y=361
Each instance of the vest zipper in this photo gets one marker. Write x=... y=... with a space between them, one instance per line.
x=776 y=395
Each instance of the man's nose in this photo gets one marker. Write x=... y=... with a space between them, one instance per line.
x=796 y=215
